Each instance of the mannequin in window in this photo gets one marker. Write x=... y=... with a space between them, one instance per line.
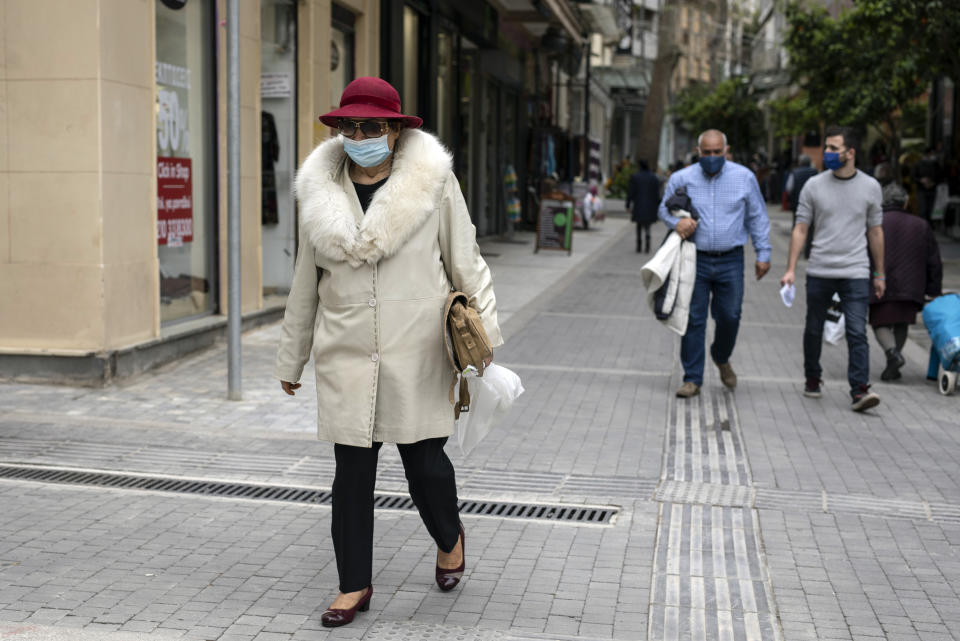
x=269 y=154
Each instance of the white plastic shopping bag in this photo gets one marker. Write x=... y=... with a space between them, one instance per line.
x=834 y=331
x=835 y=328
x=491 y=395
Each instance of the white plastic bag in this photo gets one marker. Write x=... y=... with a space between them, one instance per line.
x=491 y=395
x=834 y=331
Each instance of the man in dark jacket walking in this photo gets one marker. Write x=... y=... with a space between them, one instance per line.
x=795 y=182
x=643 y=199
x=913 y=270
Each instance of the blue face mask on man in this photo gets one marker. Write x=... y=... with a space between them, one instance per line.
x=369 y=152
x=831 y=160
x=712 y=165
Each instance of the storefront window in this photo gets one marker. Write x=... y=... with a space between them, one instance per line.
x=186 y=202
x=467 y=148
x=278 y=157
x=411 y=59
x=341 y=52
x=489 y=127
x=445 y=88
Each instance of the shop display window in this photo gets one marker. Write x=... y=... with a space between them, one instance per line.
x=278 y=154
x=186 y=199
x=411 y=60
x=446 y=86
x=342 y=57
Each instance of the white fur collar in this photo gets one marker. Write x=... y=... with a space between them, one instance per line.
x=421 y=166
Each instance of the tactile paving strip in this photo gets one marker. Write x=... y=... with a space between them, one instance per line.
x=174 y=460
x=709 y=579
x=411 y=631
x=706 y=494
x=704 y=444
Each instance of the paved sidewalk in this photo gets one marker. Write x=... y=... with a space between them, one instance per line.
x=754 y=514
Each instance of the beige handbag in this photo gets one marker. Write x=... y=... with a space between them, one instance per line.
x=467 y=344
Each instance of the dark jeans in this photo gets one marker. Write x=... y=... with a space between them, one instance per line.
x=433 y=488
x=721 y=277
x=855 y=298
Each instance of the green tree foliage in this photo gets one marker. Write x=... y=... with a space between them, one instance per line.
x=621 y=181
x=730 y=107
x=929 y=28
x=793 y=115
x=865 y=66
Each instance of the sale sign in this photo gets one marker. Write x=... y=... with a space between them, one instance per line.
x=174 y=201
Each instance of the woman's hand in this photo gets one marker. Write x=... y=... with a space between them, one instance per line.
x=288 y=387
x=488 y=360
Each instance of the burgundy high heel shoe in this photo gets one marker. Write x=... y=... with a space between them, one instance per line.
x=334 y=618
x=448 y=579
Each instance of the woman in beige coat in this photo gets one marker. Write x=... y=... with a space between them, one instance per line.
x=384 y=237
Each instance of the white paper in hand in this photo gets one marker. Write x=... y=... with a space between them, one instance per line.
x=787 y=294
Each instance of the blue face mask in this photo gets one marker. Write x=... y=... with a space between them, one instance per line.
x=369 y=152
x=831 y=160
x=712 y=164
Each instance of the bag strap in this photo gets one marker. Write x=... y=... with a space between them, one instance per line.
x=463 y=404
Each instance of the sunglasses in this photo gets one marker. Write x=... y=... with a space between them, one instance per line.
x=369 y=128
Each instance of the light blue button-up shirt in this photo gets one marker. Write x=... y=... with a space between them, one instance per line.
x=730 y=206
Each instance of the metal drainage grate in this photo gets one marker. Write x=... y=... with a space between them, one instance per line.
x=166 y=484
x=572 y=514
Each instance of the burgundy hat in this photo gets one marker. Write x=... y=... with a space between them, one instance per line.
x=369 y=98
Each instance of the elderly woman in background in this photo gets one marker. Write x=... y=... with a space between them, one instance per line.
x=385 y=236
x=913 y=270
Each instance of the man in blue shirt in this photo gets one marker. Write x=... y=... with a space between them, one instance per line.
x=730 y=205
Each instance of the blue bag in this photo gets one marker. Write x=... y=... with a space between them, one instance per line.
x=942 y=318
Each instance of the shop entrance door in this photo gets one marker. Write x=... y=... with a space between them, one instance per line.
x=487 y=180
x=499 y=122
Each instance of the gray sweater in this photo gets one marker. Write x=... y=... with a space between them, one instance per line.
x=840 y=210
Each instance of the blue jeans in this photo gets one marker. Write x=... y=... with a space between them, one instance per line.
x=722 y=277
x=854 y=301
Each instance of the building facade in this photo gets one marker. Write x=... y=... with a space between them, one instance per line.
x=113 y=174
x=113 y=151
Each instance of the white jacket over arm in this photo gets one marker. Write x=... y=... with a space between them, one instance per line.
x=674 y=266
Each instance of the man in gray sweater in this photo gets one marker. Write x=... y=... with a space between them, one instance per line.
x=844 y=207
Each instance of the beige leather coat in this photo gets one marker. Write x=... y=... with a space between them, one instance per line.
x=369 y=290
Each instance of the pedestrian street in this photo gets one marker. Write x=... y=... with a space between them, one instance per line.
x=602 y=507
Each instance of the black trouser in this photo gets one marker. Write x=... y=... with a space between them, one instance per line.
x=643 y=232
x=433 y=488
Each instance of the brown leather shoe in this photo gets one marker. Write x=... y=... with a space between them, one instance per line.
x=727 y=375
x=448 y=579
x=334 y=618
x=688 y=389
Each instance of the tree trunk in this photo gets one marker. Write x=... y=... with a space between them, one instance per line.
x=667 y=56
x=893 y=144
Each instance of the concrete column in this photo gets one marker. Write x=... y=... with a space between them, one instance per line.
x=78 y=259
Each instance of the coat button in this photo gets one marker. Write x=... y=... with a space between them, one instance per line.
x=374 y=357
x=372 y=302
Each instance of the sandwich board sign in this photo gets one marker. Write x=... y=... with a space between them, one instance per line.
x=555 y=225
